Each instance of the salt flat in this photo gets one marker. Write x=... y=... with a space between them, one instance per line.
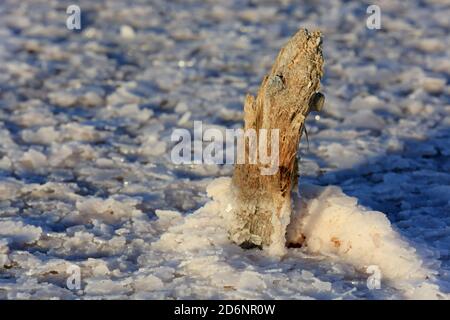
x=86 y=177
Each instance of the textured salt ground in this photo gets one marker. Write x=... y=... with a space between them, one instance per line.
x=85 y=124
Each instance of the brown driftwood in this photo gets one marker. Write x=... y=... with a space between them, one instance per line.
x=287 y=94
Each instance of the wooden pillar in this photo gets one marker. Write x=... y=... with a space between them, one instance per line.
x=287 y=94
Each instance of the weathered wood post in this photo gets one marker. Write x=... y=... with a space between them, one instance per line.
x=262 y=207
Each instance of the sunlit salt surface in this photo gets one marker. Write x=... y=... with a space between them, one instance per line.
x=85 y=171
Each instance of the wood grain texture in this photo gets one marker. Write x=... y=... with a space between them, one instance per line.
x=286 y=96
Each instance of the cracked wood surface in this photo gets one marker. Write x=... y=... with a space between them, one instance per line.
x=286 y=95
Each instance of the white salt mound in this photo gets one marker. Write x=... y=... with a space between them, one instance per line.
x=19 y=233
x=334 y=225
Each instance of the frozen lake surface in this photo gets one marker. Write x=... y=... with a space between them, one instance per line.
x=86 y=177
